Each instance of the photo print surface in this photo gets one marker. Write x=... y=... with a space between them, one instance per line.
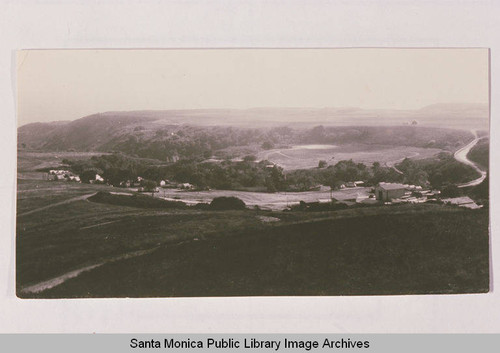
x=252 y=172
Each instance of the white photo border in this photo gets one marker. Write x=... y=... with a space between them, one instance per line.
x=132 y=24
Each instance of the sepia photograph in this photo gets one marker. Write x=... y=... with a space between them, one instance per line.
x=252 y=172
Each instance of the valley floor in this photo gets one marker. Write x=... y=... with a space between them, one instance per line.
x=69 y=246
x=87 y=249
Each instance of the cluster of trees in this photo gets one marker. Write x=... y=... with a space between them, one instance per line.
x=114 y=168
x=395 y=135
x=340 y=173
x=437 y=172
x=229 y=175
x=248 y=174
x=172 y=142
x=434 y=172
x=187 y=142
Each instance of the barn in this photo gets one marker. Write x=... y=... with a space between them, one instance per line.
x=389 y=191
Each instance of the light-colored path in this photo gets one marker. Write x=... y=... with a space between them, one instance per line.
x=51 y=283
x=78 y=198
x=461 y=156
x=273 y=201
x=392 y=164
x=98 y=225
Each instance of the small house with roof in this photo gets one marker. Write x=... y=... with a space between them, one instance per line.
x=386 y=192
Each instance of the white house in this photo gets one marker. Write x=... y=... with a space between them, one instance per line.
x=186 y=186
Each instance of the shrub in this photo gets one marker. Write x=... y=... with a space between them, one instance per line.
x=267 y=145
x=250 y=158
x=135 y=200
x=227 y=203
x=322 y=164
x=201 y=206
x=450 y=191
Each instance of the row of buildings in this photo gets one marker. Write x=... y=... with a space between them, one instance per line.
x=401 y=193
x=62 y=175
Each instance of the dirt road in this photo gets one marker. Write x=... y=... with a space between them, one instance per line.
x=461 y=156
x=273 y=201
x=51 y=283
x=392 y=164
x=78 y=198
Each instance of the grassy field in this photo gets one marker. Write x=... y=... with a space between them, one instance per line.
x=378 y=250
x=30 y=161
x=157 y=251
x=299 y=157
x=34 y=194
x=480 y=153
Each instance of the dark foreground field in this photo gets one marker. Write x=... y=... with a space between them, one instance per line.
x=380 y=250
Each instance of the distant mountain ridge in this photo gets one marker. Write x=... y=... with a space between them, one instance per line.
x=104 y=130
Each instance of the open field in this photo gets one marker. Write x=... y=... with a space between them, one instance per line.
x=480 y=153
x=34 y=194
x=272 y=201
x=30 y=161
x=68 y=250
x=308 y=156
x=70 y=246
x=393 y=250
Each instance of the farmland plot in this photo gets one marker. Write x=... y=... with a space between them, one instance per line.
x=308 y=156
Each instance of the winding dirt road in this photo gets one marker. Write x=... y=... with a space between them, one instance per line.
x=78 y=198
x=392 y=164
x=51 y=283
x=461 y=156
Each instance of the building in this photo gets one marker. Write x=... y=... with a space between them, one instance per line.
x=386 y=192
x=74 y=178
x=186 y=186
x=464 y=201
x=125 y=184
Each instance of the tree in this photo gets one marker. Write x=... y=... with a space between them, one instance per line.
x=227 y=203
x=322 y=164
x=149 y=185
x=89 y=174
x=276 y=178
x=317 y=134
x=267 y=145
x=450 y=191
x=249 y=158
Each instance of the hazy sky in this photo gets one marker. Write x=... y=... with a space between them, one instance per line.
x=69 y=84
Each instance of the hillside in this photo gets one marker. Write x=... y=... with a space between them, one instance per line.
x=169 y=135
x=86 y=134
x=423 y=250
x=106 y=130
